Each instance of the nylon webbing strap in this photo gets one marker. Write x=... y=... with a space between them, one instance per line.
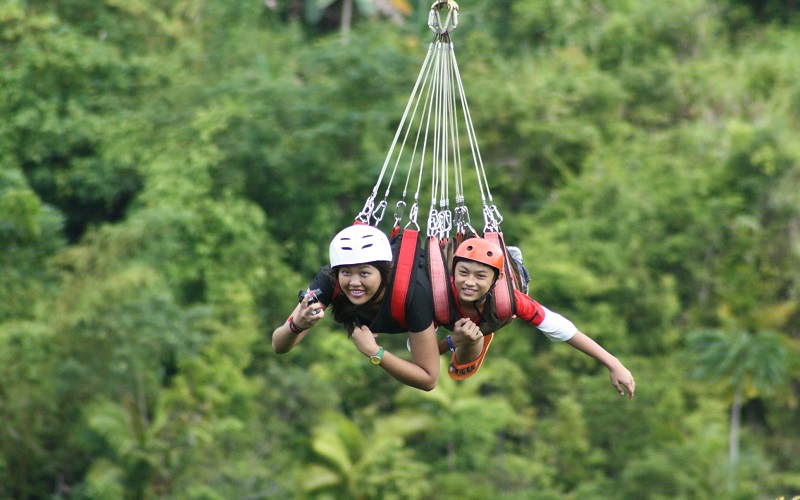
x=439 y=282
x=503 y=289
x=406 y=261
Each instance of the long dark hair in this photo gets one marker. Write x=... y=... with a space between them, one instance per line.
x=344 y=311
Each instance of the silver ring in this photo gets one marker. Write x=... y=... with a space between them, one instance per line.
x=315 y=311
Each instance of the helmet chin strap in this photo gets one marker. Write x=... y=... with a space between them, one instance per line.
x=478 y=309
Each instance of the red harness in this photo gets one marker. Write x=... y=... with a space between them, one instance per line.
x=406 y=259
x=446 y=309
x=438 y=257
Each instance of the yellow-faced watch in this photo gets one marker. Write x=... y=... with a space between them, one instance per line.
x=378 y=358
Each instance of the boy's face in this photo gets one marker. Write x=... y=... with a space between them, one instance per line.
x=472 y=280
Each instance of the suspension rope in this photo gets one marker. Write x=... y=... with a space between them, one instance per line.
x=433 y=109
x=368 y=209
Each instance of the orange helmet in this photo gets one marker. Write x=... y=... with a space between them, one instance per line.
x=480 y=250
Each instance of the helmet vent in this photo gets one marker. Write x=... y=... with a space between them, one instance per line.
x=366 y=241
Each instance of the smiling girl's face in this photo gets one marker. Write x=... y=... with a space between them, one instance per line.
x=359 y=282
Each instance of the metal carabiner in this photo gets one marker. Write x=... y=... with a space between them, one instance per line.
x=412 y=217
x=435 y=19
x=367 y=210
x=446 y=221
x=497 y=216
x=399 y=212
x=489 y=222
x=461 y=218
x=433 y=222
x=379 y=211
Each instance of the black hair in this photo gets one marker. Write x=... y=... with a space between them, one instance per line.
x=344 y=311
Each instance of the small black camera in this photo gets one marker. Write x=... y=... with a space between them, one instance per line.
x=314 y=295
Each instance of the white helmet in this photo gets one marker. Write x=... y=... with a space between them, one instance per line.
x=359 y=244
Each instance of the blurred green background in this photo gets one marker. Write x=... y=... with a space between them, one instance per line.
x=172 y=171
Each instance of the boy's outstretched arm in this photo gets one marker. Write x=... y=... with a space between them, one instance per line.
x=620 y=376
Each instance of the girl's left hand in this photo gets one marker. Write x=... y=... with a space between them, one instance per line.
x=365 y=341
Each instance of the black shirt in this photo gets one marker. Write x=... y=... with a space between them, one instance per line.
x=419 y=306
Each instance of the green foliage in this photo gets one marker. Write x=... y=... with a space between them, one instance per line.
x=67 y=93
x=756 y=363
x=30 y=233
x=540 y=117
x=171 y=173
x=28 y=406
x=361 y=465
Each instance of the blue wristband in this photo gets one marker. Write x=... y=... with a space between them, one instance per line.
x=450 y=344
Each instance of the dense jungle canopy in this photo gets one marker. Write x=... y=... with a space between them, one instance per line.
x=171 y=173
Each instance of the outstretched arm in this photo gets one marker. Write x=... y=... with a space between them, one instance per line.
x=421 y=373
x=620 y=376
x=559 y=328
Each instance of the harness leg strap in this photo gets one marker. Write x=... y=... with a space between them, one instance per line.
x=464 y=371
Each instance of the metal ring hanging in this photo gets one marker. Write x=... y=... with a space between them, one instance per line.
x=450 y=22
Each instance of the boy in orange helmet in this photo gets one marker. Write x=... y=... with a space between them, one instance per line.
x=477 y=265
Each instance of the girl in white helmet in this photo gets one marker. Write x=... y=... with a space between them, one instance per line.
x=355 y=286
